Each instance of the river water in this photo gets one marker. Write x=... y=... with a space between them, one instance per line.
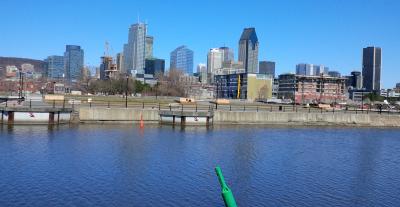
x=122 y=165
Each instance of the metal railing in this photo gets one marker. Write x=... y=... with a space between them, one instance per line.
x=247 y=107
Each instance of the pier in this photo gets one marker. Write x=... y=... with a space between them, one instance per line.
x=186 y=117
x=27 y=115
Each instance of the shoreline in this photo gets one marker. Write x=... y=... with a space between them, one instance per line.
x=220 y=117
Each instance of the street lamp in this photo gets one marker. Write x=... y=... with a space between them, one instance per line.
x=362 y=100
x=126 y=91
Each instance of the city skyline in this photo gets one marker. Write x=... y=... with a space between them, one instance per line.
x=344 y=29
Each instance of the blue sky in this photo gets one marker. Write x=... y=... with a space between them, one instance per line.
x=328 y=32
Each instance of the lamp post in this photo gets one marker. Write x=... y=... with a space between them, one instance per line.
x=362 y=100
x=126 y=91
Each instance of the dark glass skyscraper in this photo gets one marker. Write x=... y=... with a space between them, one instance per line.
x=182 y=59
x=267 y=67
x=371 y=68
x=355 y=80
x=248 y=50
x=154 y=66
x=73 y=60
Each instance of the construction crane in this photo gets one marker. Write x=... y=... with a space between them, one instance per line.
x=106 y=49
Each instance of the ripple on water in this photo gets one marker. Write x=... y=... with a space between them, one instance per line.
x=94 y=165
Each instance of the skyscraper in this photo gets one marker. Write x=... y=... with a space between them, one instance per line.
x=321 y=70
x=267 y=67
x=135 y=49
x=73 y=62
x=227 y=54
x=215 y=58
x=355 y=80
x=155 y=66
x=55 y=66
x=305 y=69
x=149 y=47
x=371 y=68
x=202 y=71
x=248 y=50
x=120 y=62
x=182 y=59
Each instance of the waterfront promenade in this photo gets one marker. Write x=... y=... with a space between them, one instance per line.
x=243 y=114
x=150 y=110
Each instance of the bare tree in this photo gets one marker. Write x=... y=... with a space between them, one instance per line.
x=171 y=84
x=262 y=93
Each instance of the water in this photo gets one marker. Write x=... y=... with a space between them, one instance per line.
x=97 y=165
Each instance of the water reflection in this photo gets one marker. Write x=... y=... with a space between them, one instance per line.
x=120 y=165
x=366 y=177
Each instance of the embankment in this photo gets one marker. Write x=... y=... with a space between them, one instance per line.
x=118 y=115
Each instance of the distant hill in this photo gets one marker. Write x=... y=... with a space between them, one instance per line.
x=39 y=65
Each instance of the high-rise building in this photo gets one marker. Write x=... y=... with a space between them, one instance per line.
x=311 y=69
x=267 y=67
x=135 y=49
x=215 y=58
x=73 y=62
x=248 y=50
x=355 y=80
x=305 y=69
x=182 y=59
x=398 y=85
x=371 y=68
x=202 y=71
x=120 y=62
x=321 y=70
x=334 y=74
x=155 y=66
x=149 y=47
x=227 y=54
x=55 y=67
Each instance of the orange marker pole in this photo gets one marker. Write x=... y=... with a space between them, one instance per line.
x=141 y=121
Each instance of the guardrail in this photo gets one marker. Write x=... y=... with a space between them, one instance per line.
x=254 y=107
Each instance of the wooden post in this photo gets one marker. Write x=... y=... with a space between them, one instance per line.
x=51 y=118
x=10 y=117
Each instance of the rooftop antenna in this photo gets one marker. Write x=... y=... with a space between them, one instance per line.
x=138 y=20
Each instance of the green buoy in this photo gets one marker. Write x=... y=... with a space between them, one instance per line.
x=226 y=191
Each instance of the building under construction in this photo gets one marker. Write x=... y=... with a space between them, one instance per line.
x=311 y=89
x=108 y=68
x=243 y=86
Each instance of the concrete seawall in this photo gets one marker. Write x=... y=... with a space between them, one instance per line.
x=104 y=115
x=99 y=114
x=293 y=118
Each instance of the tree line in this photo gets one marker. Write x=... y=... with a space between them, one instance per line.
x=170 y=84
